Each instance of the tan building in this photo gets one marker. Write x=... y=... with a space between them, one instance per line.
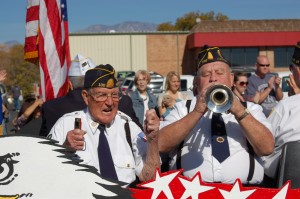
x=240 y=40
x=159 y=52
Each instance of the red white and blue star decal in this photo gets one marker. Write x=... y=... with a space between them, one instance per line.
x=172 y=185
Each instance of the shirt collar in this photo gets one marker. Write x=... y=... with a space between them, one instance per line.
x=92 y=123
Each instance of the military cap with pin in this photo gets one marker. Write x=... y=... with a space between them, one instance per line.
x=103 y=76
x=296 y=55
x=210 y=54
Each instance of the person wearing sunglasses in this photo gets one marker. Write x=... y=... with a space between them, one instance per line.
x=240 y=84
x=106 y=138
x=285 y=119
x=267 y=84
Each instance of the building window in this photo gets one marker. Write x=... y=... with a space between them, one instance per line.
x=240 y=56
x=283 y=56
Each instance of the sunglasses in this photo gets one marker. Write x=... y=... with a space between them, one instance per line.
x=243 y=83
x=263 y=65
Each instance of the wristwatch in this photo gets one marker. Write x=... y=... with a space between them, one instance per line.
x=243 y=116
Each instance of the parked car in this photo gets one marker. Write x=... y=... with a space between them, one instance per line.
x=124 y=74
x=128 y=83
x=155 y=75
x=155 y=85
x=129 y=87
x=121 y=75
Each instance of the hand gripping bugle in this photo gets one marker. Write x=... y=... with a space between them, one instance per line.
x=219 y=98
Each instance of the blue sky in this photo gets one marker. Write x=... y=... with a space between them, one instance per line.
x=83 y=13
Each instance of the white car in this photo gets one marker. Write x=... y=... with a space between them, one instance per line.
x=127 y=83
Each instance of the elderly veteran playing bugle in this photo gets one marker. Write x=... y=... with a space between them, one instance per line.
x=218 y=145
x=100 y=138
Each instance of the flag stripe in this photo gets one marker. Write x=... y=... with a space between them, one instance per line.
x=31 y=40
x=32 y=28
x=32 y=13
x=48 y=89
x=52 y=63
x=53 y=45
x=55 y=25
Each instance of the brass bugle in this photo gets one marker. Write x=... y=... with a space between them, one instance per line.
x=219 y=98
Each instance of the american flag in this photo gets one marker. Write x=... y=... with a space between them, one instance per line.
x=47 y=44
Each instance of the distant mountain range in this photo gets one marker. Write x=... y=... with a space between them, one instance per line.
x=127 y=26
x=7 y=45
x=11 y=43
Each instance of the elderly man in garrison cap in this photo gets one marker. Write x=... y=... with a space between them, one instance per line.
x=53 y=109
x=106 y=138
x=222 y=146
x=285 y=117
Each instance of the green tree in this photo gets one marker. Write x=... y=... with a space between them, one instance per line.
x=221 y=17
x=189 y=20
x=168 y=26
x=19 y=71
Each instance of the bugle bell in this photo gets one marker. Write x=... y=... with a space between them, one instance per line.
x=219 y=98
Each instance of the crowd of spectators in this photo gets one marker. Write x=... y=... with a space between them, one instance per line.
x=244 y=142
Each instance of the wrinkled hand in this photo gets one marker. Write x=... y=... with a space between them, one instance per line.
x=294 y=89
x=75 y=139
x=277 y=81
x=236 y=106
x=151 y=124
x=201 y=106
x=271 y=82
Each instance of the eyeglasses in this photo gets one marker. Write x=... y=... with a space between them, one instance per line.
x=101 y=97
x=263 y=65
x=243 y=83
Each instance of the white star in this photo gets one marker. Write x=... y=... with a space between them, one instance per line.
x=161 y=184
x=62 y=5
x=282 y=193
x=193 y=188
x=236 y=192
